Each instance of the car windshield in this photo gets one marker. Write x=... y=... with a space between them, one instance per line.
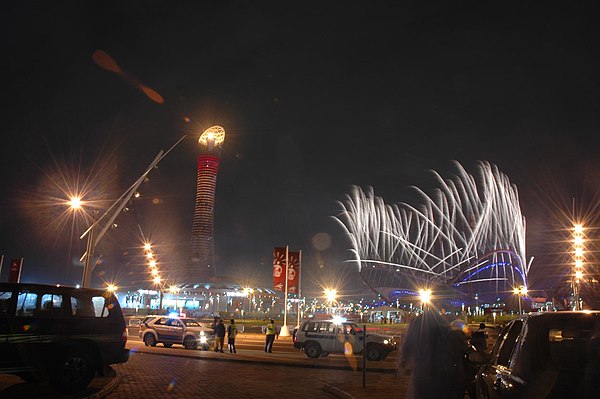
x=191 y=323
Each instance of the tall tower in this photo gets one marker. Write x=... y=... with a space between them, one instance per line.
x=202 y=260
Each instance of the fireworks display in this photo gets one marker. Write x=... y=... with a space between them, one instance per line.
x=469 y=231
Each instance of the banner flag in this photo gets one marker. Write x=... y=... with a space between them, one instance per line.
x=279 y=268
x=294 y=272
x=14 y=273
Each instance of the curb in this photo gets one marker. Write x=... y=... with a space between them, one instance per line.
x=337 y=392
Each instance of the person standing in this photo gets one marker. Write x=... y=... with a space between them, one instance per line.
x=270 y=337
x=219 y=336
x=231 y=334
x=214 y=324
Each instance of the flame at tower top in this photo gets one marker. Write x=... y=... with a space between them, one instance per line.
x=212 y=137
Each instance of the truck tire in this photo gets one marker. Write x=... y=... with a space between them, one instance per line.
x=312 y=350
x=374 y=352
x=190 y=343
x=149 y=340
x=73 y=369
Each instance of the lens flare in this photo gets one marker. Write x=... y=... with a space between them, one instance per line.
x=105 y=61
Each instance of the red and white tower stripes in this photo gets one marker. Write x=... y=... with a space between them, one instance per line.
x=201 y=266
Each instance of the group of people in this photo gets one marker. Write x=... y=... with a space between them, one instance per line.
x=231 y=330
x=219 y=329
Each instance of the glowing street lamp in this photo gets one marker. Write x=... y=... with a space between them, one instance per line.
x=157 y=281
x=330 y=297
x=520 y=291
x=111 y=288
x=425 y=295
x=75 y=202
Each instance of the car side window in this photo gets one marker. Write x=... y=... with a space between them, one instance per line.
x=5 y=298
x=162 y=321
x=510 y=341
x=176 y=323
x=26 y=302
x=100 y=307
x=50 y=305
x=81 y=306
x=326 y=327
x=310 y=327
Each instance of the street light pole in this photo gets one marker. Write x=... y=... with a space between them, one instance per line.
x=115 y=208
x=89 y=256
x=578 y=250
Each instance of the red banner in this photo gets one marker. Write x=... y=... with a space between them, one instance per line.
x=14 y=272
x=294 y=272
x=279 y=268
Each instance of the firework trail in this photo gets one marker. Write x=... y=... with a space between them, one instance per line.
x=470 y=230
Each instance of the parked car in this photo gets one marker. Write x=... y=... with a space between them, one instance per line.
x=543 y=355
x=61 y=336
x=322 y=337
x=169 y=330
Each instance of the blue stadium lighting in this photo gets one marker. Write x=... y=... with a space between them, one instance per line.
x=484 y=268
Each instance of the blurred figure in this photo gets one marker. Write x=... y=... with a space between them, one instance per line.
x=434 y=354
x=460 y=330
x=479 y=338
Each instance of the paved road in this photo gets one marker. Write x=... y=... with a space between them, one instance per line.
x=251 y=347
x=286 y=373
x=161 y=376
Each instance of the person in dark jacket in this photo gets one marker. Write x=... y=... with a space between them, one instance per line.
x=231 y=334
x=219 y=336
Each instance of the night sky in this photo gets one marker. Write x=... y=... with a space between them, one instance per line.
x=314 y=96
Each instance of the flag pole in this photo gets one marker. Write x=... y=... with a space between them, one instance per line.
x=299 y=284
x=285 y=332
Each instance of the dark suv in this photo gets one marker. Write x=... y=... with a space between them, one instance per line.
x=59 y=335
x=543 y=355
